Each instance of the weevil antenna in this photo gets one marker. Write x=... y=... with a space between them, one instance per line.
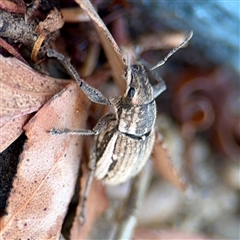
x=173 y=51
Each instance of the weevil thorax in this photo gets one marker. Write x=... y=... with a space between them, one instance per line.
x=136 y=109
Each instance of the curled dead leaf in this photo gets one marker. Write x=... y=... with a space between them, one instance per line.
x=47 y=170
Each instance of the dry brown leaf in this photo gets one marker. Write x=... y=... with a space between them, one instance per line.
x=114 y=55
x=163 y=164
x=47 y=170
x=22 y=91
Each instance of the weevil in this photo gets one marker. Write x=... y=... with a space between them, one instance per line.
x=123 y=140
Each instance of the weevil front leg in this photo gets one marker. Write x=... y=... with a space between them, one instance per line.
x=93 y=94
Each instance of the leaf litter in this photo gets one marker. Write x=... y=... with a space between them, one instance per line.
x=49 y=165
x=47 y=170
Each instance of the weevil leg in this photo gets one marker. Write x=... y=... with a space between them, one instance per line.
x=81 y=132
x=93 y=94
x=127 y=220
x=101 y=124
x=85 y=194
x=159 y=87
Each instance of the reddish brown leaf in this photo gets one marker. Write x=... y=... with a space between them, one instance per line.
x=22 y=91
x=47 y=170
x=164 y=165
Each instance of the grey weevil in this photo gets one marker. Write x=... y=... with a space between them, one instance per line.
x=124 y=140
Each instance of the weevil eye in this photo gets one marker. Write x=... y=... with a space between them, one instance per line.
x=131 y=92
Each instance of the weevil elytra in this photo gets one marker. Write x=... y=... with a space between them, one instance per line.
x=124 y=140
